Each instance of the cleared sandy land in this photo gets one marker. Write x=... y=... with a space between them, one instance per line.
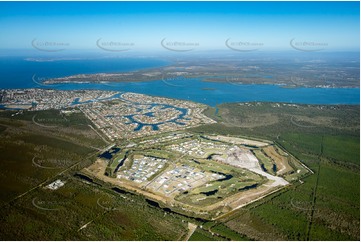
x=242 y=158
x=238 y=141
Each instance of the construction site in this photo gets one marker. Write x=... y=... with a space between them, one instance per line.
x=206 y=176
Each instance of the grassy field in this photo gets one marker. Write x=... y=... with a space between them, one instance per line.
x=266 y=161
x=326 y=206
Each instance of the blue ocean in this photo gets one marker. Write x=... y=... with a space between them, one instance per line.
x=16 y=72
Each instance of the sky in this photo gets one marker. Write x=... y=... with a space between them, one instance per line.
x=181 y=26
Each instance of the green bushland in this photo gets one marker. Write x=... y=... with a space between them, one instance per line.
x=110 y=216
x=71 y=126
x=31 y=154
x=225 y=231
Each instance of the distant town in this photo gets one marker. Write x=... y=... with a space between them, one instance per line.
x=115 y=114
